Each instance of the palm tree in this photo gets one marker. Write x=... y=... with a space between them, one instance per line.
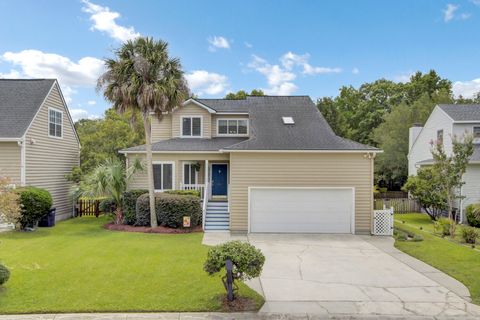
x=143 y=78
x=109 y=180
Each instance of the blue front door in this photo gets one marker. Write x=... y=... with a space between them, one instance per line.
x=219 y=179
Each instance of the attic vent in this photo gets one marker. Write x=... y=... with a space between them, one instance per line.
x=288 y=120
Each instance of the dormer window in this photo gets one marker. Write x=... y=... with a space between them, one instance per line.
x=440 y=136
x=191 y=126
x=232 y=127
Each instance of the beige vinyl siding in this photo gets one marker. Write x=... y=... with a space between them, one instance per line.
x=191 y=109
x=10 y=161
x=215 y=117
x=300 y=170
x=48 y=159
x=162 y=129
x=140 y=180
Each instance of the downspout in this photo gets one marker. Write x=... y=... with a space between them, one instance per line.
x=23 y=161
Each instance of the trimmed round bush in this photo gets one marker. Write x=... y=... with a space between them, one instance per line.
x=417 y=238
x=129 y=205
x=170 y=210
x=35 y=204
x=4 y=274
x=473 y=215
x=247 y=260
x=402 y=236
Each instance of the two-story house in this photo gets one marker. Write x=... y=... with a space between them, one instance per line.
x=444 y=123
x=38 y=142
x=263 y=164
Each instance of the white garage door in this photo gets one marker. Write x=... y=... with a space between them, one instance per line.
x=301 y=210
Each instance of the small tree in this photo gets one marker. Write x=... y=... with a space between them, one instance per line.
x=247 y=261
x=451 y=169
x=110 y=180
x=9 y=202
x=426 y=188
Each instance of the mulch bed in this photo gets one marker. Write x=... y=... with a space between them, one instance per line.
x=160 y=229
x=239 y=304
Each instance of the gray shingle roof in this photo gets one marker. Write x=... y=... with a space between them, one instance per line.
x=267 y=131
x=19 y=102
x=189 y=144
x=462 y=112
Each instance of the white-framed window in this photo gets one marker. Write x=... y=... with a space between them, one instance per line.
x=440 y=136
x=232 y=127
x=163 y=175
x=55 y=123
x=191 y=126
x=190 y=173
x=476 y=133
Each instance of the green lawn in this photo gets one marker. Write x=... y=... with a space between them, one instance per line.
x=459 y=261
x=78 y=266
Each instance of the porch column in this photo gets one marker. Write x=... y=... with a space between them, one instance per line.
x=205 y=182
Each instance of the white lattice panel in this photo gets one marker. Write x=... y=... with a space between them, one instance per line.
x=383 y=222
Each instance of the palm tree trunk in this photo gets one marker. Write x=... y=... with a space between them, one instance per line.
x=151 y=190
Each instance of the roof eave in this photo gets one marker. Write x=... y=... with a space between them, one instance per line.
x=305 y=150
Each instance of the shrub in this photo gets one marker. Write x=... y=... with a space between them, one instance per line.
x=170 y=210
x=35 y=204
x=402 y=236
x=142 y=211
x=469 y=234
x=9 y=202
x=442 y=226
x=107 y=206
x=247 y=260
x=4 y=274
x=473 y=215
x=195 y=193
x=130 y=204
x=417 y=238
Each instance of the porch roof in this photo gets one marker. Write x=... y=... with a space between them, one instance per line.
x=187 y=144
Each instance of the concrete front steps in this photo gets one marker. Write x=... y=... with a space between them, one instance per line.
x=217 y=217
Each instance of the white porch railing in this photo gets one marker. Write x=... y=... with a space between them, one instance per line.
x=199 y=187
x=204 y=205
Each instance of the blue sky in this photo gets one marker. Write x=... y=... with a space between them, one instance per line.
x=282 y=47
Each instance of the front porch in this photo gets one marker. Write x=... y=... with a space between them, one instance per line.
x=211 y=179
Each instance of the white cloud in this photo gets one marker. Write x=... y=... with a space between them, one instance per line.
x=355 y=70
x=91 y=102
x=403 y=77
x=12 y=74
x=70 y=74
x=104 y=20
x=280 y=76
x=249 y=45
x=290 y=59
x=449 y=12
x=475 y=2
x=38 y=64
x=78 y=114
x=204 y=82
x=218 y=42
x=466 y=89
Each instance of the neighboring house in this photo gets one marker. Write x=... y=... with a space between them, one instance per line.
x=265 y=164
x=38 y=142
x=446 y=122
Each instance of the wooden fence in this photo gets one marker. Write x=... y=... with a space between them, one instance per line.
x=400 y=205
x=390 y=194
x=88 y=207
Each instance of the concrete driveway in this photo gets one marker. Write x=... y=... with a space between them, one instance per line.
x=352 y=275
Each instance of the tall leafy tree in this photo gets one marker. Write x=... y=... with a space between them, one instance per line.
x=101 y=139
x=392 y=136
x=144 y=78
x=242 y=94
